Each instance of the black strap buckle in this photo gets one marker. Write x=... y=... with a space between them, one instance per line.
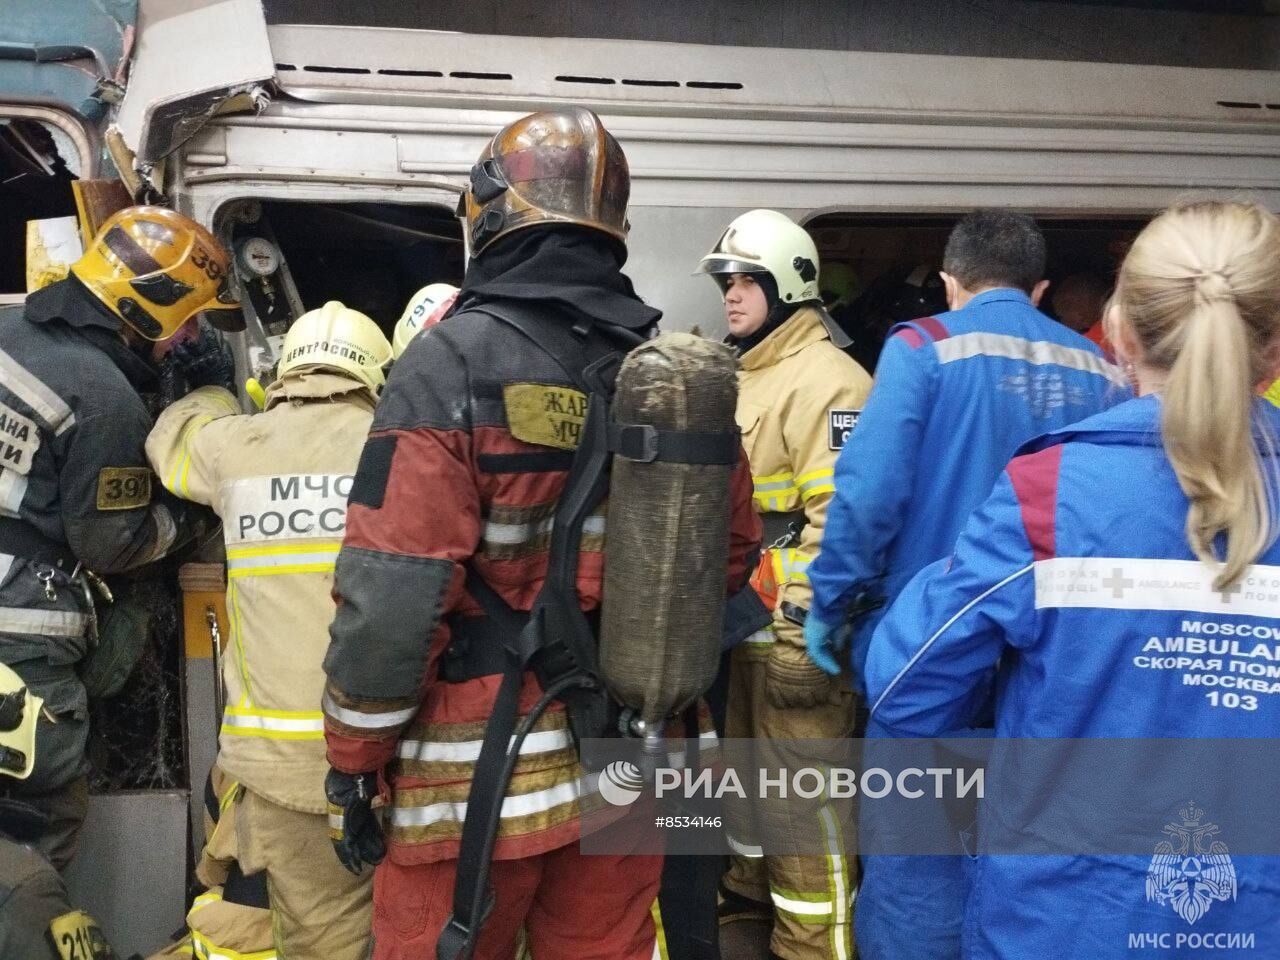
x=635 y=441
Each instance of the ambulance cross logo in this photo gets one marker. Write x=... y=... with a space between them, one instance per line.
x=1191 y=871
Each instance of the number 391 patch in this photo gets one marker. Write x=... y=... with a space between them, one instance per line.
x=841 y=424
x=123 y=488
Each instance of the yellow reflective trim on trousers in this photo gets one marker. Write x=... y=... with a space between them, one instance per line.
x=842 y=892
x=812 y=908
x=660 y=934
x=212 y=896
x=206 y=949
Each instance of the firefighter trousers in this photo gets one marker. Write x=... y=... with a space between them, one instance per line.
x=571 y=906
x=810 y=897
x=319 y=911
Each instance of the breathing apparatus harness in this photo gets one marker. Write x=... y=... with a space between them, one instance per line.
x=556 y=639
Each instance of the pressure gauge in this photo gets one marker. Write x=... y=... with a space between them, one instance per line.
x=259 y=257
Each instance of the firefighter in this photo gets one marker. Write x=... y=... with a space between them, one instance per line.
x=279 y=480
x=799 y=396
x=36 y=919
x=76 y=497
x=425 y=309
x=232 y=917
x=480 y=421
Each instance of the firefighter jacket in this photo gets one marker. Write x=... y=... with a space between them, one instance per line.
x=798 y=398
x=279 y=480
x=1074 y=579
x=74 y=480
x=469 y=452
x=954 y=397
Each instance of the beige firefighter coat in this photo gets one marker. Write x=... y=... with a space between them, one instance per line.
x=798 y=396
x=279 y=480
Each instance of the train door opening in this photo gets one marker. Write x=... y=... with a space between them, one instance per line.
x=878 y=270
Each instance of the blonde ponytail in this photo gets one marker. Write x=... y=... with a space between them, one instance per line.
x=1200 y=291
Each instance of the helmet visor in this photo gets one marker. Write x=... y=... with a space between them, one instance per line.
x=718 y=265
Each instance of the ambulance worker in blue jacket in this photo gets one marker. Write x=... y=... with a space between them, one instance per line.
x=1159 y=513
x=954 y=397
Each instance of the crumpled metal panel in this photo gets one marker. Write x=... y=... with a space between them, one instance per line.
x=194 y=59
x=70 y=53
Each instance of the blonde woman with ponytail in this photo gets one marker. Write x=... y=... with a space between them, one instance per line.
x=1149 y=529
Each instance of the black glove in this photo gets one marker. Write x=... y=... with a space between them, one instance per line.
x=205 y=360
x=353 y=826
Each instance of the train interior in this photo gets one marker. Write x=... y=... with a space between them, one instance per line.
x=881 y=270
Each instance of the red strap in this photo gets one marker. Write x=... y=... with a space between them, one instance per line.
x=1035 y=484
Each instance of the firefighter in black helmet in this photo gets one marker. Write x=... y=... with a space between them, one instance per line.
x=482 y=414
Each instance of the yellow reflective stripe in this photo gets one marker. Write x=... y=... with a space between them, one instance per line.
x=790 y=565
x=275 y=570
x=234 y=617
x=206 y=949
x=807 y=479
x=816 y=482
x=212 y=896
x=842 y=892
x=273 y=724
x=280 y=559
x=803 y=907
x=271 y=550
x=660 y=934
x=177 y=482
x=228 y=796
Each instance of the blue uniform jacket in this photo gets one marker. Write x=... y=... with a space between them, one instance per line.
x=1073 y=574
x=954 y=397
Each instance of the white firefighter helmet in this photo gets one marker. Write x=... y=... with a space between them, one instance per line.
x=341 y=338
x=423 y=310
x=19 y=711
x=766 y=241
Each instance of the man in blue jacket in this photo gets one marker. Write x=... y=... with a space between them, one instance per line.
x=954 y=397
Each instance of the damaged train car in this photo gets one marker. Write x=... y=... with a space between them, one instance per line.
x=330 y=160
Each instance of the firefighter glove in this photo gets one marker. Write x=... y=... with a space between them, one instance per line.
x=205 y=360
x=791 y=679
x=353 y=826
x=823 y=641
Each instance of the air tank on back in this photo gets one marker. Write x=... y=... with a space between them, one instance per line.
x=668 y=541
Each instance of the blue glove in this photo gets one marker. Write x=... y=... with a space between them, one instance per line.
x=824 y=643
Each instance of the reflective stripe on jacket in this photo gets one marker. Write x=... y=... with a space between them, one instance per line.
x=447 y=482
x=954 y=397
x=1072 y=577
x=797 y=395
x=279 y=480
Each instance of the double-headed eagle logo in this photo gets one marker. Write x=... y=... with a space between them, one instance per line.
x=1191 y=871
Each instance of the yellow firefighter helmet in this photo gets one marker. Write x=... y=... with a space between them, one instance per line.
x=420 y=314
x=338 y=337
x=155 y=269
x=560 y=166
x=766 y=241
x=19 y=711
